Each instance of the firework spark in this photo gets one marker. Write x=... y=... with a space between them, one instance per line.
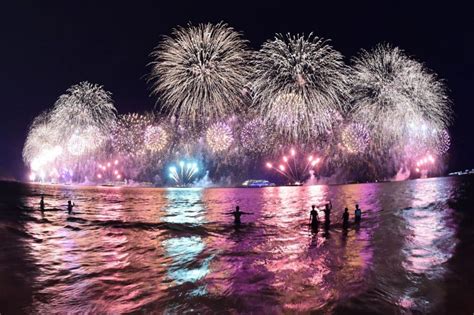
x=200 y=71
x=219 y=137
x=443 y=142
x=128 y=136
x=355 y=138
x=256 y=137
x=298 y=83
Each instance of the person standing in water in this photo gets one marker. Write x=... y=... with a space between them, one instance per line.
x=358 y=213
x=42 y=203
x=313 y=216
x=70 y=205
x=327 y=212
x=345 y=218
x=237 y=214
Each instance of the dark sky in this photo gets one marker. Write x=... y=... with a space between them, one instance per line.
x=48 y=46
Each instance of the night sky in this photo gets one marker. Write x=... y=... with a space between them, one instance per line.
x=48 y=46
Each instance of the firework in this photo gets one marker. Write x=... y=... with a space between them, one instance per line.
x=41 y=136
x=200 y=71
x=355 y=138
x=294 y=167
x=156 y=138
x=256 y=137
x=109 y=171
x=184 y=173
x=83 y=105
x=128 y=136
x=85 y=141
x=443 y=142
x=391 y=93
x=219 y=137
x=425 y=163
x=298 y=83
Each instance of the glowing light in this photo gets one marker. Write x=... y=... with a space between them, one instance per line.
x=185 y=174
x=296 y=170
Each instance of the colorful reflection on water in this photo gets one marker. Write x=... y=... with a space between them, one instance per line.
x=177 y=250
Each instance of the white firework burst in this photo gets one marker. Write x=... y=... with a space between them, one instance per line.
x=200 y=71
x=391 y=93
x=83 y=105
x=298 y=83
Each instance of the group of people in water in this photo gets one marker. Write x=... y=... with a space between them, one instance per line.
x=70 y=205
x=313 y=215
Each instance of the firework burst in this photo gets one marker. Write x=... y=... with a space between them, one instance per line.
x=391 y=93
x=256 y=137
x=156 y=138
x=200 y=71
x=355 y=138
x=83 y=105
x=128 y=137
x=298 y=83
x=219 y=137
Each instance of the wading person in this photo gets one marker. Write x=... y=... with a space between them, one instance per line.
x=313 y=217
x=358 y=214
x=70 y=205
x=42 y=203
x=327 y=212
x=345 y=218
x=237 y=214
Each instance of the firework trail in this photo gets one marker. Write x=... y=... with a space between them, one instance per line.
x=391 y=93
x=183 y=174
x=200 y=71
x=294 y=167
x=298 y=83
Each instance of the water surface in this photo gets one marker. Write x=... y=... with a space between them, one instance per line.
x=176 y=250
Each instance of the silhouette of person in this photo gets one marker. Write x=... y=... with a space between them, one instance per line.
x=70 y=205
x=345 y=218
x=42 y=203
x=327 y=211
x=358 y=213
x=237 y=214
x=313 y=216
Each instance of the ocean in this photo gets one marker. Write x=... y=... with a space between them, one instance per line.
x=176 y=250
